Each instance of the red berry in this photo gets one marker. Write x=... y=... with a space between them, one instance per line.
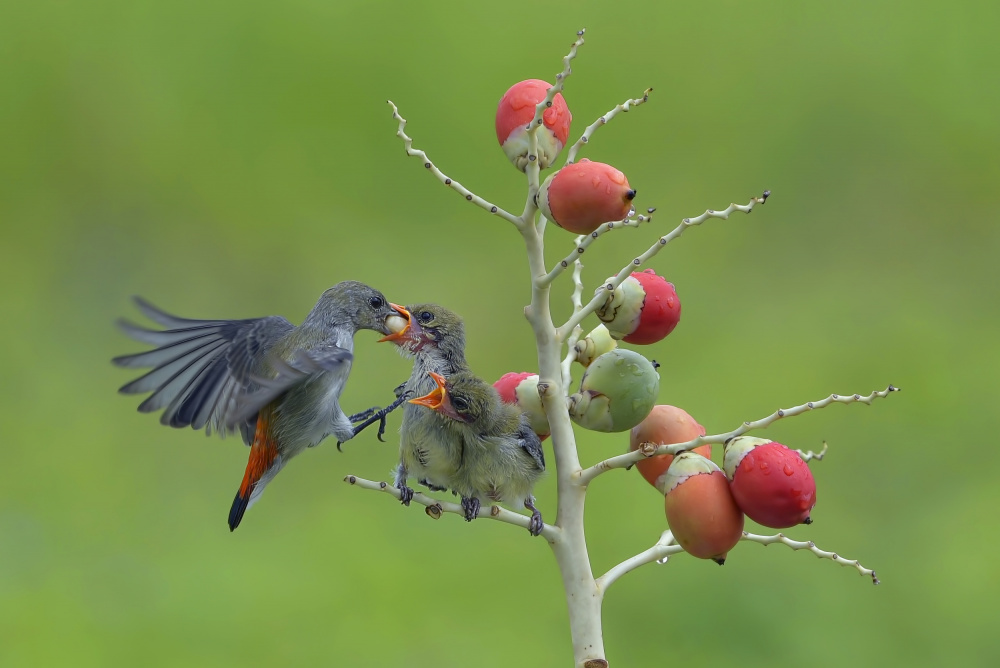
x=770 y=482
x=582 y=196
x=665 y=425
x=514 y=114
x=521 y=388
x=644 y=309
x=700 y=509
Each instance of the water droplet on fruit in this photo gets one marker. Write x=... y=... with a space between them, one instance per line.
x=788 y=470
x=765 y=469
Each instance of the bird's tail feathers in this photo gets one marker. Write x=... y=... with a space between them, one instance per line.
x=263 y=465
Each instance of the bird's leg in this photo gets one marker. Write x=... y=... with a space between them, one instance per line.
x=470 y=505
x=375 y=414
x=405 y=493
x=358 y=417
x=536 y=525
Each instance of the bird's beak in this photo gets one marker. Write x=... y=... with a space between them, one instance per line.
x=398 y=325
x=437 y=396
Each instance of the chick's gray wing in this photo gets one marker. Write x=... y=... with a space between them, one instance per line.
x=305 y=365
x=531 y=444
x=200 y=368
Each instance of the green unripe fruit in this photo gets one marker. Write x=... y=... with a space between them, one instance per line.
x=617 y=392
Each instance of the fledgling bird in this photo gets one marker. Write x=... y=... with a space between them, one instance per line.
x=278 y=384
x=435 y=337
x=502 y=457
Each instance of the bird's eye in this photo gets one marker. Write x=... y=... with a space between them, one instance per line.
x=460 y=404
x=425 y=316
x=376 y=303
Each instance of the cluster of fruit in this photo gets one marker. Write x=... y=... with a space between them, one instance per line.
x=705 y=505
x=581 y=196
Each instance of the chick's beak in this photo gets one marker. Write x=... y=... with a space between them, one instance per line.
x=398 y=325
x=436 y=398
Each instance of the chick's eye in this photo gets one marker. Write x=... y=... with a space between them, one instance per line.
x=376 y=302
x=460 y=404
x=425 y=316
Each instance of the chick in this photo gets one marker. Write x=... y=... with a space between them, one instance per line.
x=500 y=457
x=436 y=339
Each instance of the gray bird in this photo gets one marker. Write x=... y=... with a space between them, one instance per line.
x=278 y=384
x=502 y=457
x=435 y=338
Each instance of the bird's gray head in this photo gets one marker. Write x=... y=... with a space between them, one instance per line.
x=433 y=330
x=354 y=305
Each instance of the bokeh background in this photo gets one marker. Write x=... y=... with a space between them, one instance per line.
x=234 y=159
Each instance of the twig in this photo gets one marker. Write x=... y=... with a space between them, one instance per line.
x=584 y=240
x=811 y=546
x=533 y=168
x=818 y=456
x=576 y=299
x=435 y=508
x=444 y=178
x=602 y=295
x=630 y=458
x=603 y=120
x=659 y=552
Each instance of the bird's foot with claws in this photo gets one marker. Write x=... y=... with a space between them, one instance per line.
x=373 y=415
x=405 y=494
x=364 y=415
x=535 y=524
x=471 y=507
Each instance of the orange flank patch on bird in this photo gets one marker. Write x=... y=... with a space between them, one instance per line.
x=262 y=452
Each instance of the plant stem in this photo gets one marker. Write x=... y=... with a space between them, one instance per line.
x=583 y=598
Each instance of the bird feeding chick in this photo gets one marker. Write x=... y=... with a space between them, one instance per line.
x=500 y=458
x=278 y=384
x=435 y=338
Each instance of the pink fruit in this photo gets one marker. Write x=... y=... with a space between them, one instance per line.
x=582 y=196
x=665 y=425
x=521 y=388
x=770 y=482
x=644 y=309
x=700 y=509
x=514 y=114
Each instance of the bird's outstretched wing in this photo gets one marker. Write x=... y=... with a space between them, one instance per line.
x=200 y=368
x=529 y=440
x=303 y=367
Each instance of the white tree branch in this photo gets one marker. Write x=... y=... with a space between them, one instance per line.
x=818 y=456
x=576 y=299
x=444 y=178
x=584 y=240
x=811 y=546
x=533 y=169
x=603 y=120
x=659 y=552
x=435 y=508
x=630 y=458
x=602 y=295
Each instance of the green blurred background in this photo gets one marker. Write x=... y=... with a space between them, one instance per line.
x=234 y=159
